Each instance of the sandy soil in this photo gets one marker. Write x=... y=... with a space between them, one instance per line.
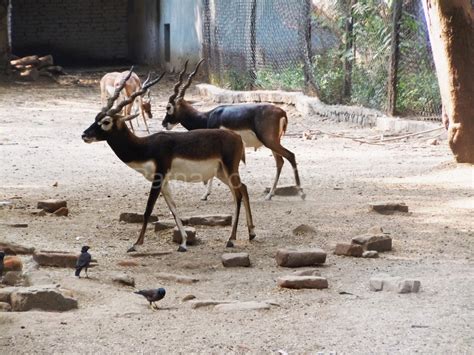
x=40 y=144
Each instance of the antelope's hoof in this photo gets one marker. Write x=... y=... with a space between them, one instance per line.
x=182 y=249
x=131 y=249
x=252 y=236
x=268 y=197
x=303 y=195
x=204 y=198
x=230 y=244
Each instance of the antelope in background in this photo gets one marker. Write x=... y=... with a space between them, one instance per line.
x=257 y=124
x=111 y=81
x=187 y=156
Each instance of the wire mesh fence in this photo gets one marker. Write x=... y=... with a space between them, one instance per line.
x=340 y=52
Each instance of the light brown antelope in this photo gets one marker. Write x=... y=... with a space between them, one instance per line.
x=111 y=81
x=257 y=124
x=187 y=156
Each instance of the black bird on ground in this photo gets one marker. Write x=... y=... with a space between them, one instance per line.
x=153 y=295
x=2 y=255
x=83 y=261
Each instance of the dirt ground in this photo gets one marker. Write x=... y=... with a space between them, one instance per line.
x=40 y=144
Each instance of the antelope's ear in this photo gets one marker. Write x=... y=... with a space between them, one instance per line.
x=128 y=118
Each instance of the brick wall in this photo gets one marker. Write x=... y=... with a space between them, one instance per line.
x=71 y=30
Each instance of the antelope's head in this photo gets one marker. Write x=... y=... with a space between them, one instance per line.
x=146 y=104
x=109 y=121
x=176 y=101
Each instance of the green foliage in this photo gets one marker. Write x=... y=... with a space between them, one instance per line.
x=236 y=80
x=289 y=78
x=329 y=74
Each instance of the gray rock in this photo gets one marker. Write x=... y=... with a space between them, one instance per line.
x=190 y=235
x=123 y=279
x=379 y=242
x=394 y=284
x=409 y=286
x=235 y=259
x=242 y=306
x=370 y=254
x=348 y=249
x=311 y=272
x=177 y=278
x=46 y=298
x=56 y=258
x=304 y=229
x=300 y=257
x=388 y=207
x=164 y=225
x=51 y=205
x=384 y=282
x=299 y=282
x=210 y=220
x=130 y=217
x=5 y=307
x=14 y=249
x=207 y=303
x=12 y=278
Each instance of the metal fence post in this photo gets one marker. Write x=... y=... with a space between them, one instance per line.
x=394 y=56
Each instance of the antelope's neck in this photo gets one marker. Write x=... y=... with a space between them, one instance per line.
x=193 y=119
x=128 y=147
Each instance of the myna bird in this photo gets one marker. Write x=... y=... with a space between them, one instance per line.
x=2 y=255
x=83 y=261
x=153 y=295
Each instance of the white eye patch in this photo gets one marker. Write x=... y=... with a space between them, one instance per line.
x=169 y=109
x=106 y=123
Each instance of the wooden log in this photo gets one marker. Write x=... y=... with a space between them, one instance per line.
x=45 y=61
x=32 y=59
x=30 y=74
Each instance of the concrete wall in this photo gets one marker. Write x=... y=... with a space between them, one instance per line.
x=71 y=30
x=143 y=31
x=184 y=18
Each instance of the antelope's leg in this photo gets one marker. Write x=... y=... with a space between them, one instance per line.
x=152 y=197
x=233 y=182
x=248 y=212
x=279 y=165
x=172 y=206
x=288 y=155
x=208 y=190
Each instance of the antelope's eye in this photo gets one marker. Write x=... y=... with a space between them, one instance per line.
x=106 y=123
x=169 y=109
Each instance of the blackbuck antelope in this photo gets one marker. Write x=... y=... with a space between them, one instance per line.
x=257 y=124
x=187 y=156
x=111 y=81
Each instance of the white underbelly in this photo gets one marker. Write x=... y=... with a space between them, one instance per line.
x=193 y=171
x=146 y=168
x=248 y=137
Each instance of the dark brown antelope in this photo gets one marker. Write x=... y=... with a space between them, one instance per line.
x=257 y=124
x=187 y=156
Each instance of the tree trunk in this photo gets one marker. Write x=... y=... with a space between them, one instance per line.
x=4 y=45
x=451 y=30
x=394 y=57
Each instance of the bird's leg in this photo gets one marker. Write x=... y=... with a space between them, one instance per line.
x=156 y=307
x=87 y=276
